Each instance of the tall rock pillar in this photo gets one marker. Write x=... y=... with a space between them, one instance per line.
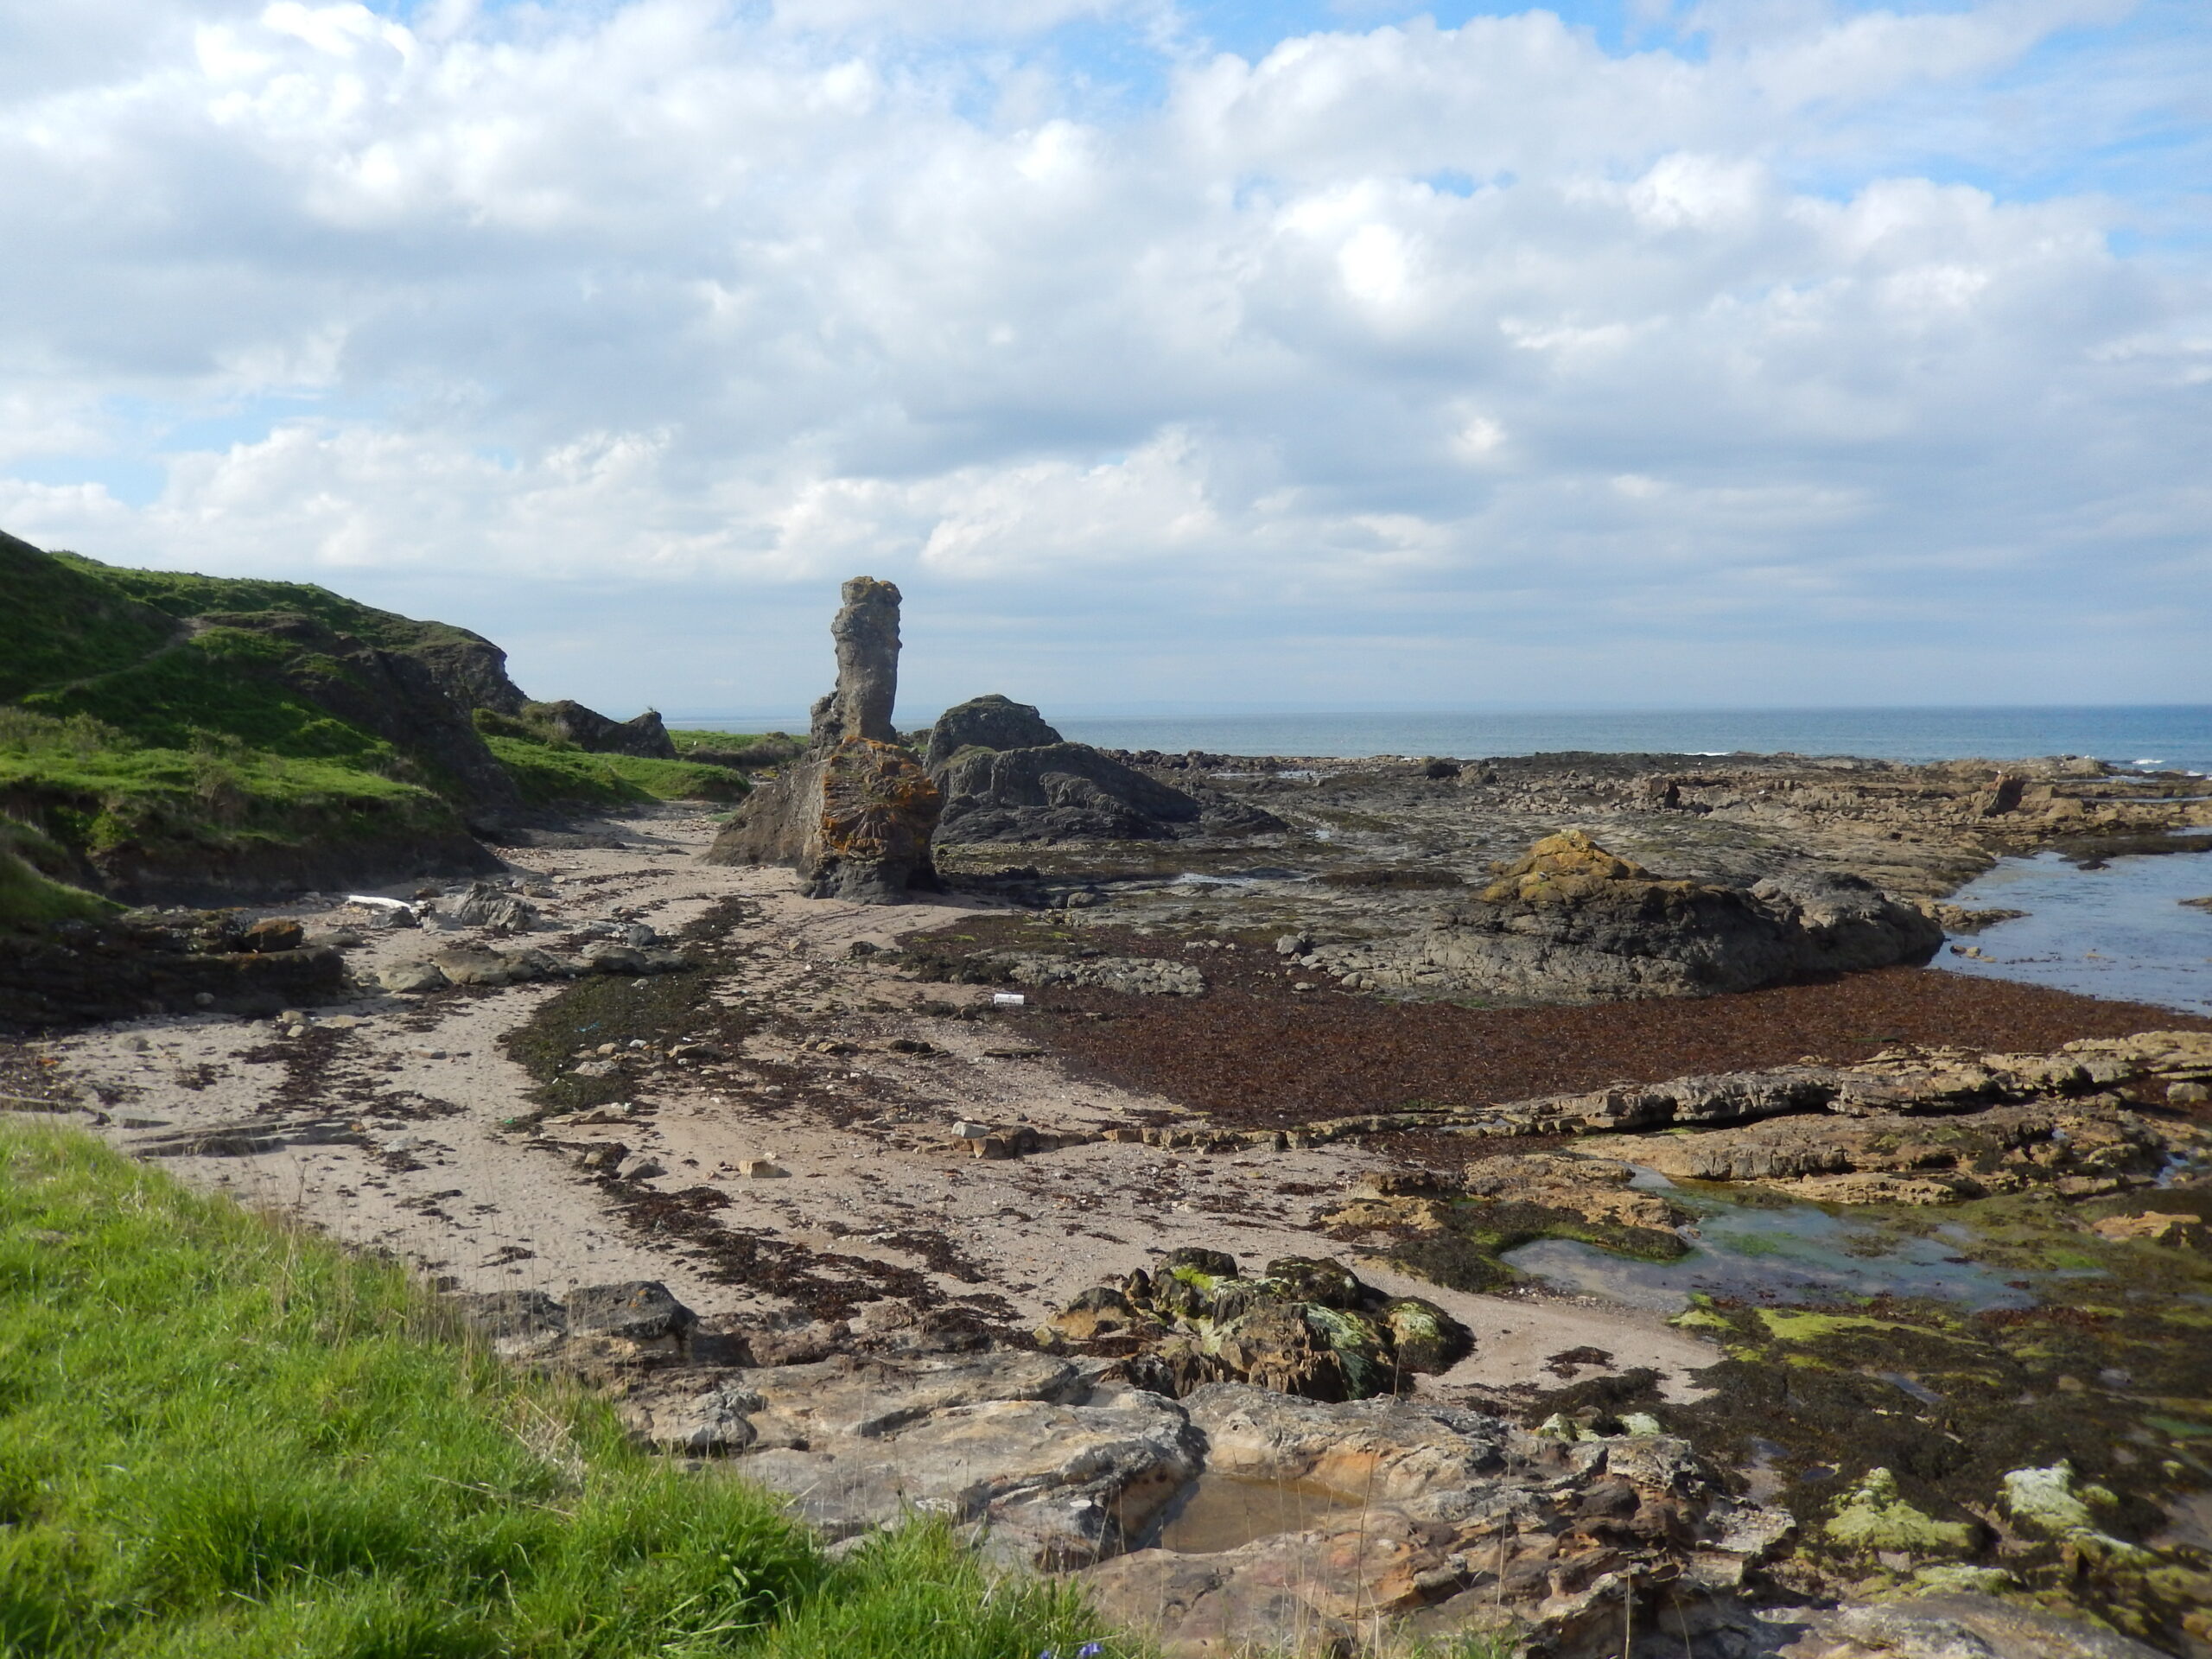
x=853 y=816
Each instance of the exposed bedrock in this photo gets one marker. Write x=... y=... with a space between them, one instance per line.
x=1571 y=922
x=866 y=630
x=1006 y=775
x=854 y=815
x=643 y=735
x=986 y=722
x=1231 y=1520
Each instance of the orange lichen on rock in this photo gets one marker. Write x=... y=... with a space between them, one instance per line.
x=1566 y=868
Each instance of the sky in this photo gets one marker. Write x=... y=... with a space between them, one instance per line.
x=1662 y=353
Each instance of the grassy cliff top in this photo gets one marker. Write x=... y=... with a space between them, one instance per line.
x=65 y=619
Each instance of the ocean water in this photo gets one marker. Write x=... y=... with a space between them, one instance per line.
x=2171 y=736
x=2121 y=932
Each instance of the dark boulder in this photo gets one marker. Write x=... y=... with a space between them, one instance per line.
x=1071 y=791
x=986 y=722
x=638 y=1310
x=642 y=735
x=1571 y=922
x=1057 y=792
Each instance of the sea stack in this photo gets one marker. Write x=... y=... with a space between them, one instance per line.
x=854 y=815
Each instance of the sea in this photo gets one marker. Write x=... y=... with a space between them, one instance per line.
x=2116 y=929
x=2176 y=736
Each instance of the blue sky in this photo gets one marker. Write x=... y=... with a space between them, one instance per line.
x=1720 y=351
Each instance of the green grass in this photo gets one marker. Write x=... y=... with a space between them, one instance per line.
x=759 y=748
x=219 y=1436
x=546 y=773
x=57 y=623
x=30 y=894
x=95 y=788
x=182 y=593
x=222 y=682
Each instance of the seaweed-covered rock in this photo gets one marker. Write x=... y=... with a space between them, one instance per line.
x=1303 y=1326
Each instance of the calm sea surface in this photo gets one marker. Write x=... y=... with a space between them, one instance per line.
x=2169 y=736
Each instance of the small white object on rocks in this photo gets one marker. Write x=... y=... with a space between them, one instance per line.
x=1008 y=999
x=967 y=1131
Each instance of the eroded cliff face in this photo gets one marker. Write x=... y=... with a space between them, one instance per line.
x=855 y=816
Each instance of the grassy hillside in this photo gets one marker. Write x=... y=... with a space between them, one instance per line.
x=166 y=720
x=549 y=773
x=181 y=594
x=224 y=1438
x=31 y=890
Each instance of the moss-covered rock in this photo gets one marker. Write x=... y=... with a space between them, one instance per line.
x=1873 y=1517
x=1305 y=1326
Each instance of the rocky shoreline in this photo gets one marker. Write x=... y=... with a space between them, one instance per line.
x=859 y=1168
x=1345 y=1204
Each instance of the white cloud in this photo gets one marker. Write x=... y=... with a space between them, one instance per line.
x=1483 y=332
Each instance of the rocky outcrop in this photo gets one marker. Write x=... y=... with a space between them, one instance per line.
x=1571 y=922
x=1302 y=1327
x=2077 y=1148
x=1131 y=976
x=1411 y=1520
x=1960 y=1626
x=1007 y=775
x=393 y=694
x=1057 y=792
x=866 y=634
x=76 y=973
x=643 y=735
x=1234 y=1518
x=853 y=816
x=986 y=722
x=1914 y=1081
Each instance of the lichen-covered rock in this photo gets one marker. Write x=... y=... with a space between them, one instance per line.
x=855 y=815
x=1874 y=1516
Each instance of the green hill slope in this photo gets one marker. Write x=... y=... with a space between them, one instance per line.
x=185 y=736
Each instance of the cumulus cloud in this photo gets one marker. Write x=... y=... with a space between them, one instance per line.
x=1396 y=361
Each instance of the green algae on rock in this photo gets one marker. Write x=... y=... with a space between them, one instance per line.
x=1874 y=1516
x=1303 y=1326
